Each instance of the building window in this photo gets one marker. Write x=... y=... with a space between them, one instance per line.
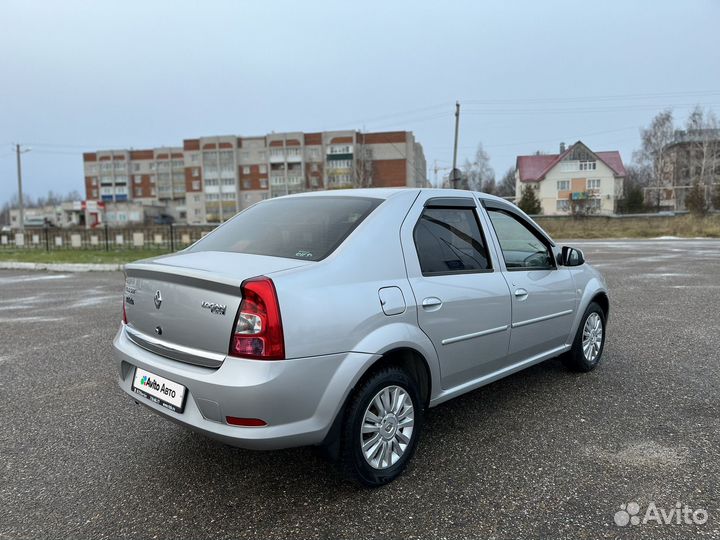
x=193 y=158
x=263 y=169
x=593 y=183
x=246 y=170
x=228 y=181
x=138 y=192
x=587 y=165
x=136 y=167
x=247 y=184
x=94 y=193
x=562 y=205
x=152 y=192
x=563 y=185
x=196 y=185
x=263 y=183
x=345 y=149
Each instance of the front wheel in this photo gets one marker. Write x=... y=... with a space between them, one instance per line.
x=382 y=427
x=589 y=341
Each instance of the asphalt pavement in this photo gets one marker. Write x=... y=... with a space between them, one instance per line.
x=544 y=453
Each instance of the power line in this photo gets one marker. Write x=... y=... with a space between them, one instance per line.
x=575 y=99
x=589 y=110
x=386 y=116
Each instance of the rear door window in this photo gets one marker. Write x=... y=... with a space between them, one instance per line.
x=306 y=228
x=449 y=241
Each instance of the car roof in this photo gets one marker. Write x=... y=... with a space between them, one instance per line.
x=386 y=193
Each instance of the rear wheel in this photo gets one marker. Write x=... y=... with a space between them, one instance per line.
x=382 y=427
x=589 y=341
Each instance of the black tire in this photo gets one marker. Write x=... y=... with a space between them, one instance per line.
x=575 y=358
x=352 y=457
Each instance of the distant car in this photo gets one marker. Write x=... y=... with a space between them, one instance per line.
x=164 y=219
x=336 y=319
x=37 y=222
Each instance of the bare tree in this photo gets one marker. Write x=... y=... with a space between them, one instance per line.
x=363 y=164
x=703 y=134
x=478 y=174
x=506 y=187
x=654 y=139
x=580 y=208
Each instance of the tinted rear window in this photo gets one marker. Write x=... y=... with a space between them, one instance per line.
x=307 y=228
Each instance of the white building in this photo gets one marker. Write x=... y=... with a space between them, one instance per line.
x=576 y=180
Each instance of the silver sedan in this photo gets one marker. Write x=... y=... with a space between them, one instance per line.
x=337 y=318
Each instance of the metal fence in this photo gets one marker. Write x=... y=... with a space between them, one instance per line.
x=166 y=237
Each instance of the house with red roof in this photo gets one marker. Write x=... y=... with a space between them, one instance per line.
x=576 y=180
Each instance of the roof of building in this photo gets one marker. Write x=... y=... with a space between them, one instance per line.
x=534 y=168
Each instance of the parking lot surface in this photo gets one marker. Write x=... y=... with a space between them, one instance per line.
x=543 y=453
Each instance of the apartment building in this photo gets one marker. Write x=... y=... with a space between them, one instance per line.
x=575 y=180
x=209 y=179
x=693 y=157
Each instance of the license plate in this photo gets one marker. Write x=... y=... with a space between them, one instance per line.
x=160 y=390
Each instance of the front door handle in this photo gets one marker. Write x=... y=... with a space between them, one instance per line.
x=521 y=294
x=431 y=303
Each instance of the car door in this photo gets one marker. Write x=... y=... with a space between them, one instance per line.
x=463 y=302
x=543 y=293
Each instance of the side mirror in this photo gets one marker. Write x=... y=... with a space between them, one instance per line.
x=572 y=256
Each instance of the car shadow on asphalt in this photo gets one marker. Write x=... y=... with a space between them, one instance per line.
x=304 y=469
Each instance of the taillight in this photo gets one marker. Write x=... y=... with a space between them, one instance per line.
x=258 y=330
x=124 y=312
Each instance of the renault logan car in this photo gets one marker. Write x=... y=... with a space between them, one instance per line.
x=337 y=318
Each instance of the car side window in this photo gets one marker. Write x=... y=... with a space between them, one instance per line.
x=522 y=249
x=449 y=241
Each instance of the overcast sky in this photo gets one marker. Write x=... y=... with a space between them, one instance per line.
x=78 y=76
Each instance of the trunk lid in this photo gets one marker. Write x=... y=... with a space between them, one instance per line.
x=183 y=306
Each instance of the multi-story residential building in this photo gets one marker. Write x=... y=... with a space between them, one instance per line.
x=576 y=180
x=693 y=157
x=209 y=179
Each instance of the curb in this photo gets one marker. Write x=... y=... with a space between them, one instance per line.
x=61 y=267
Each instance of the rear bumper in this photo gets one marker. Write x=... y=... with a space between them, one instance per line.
x=298 y=399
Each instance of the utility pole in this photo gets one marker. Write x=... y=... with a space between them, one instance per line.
x=19 y=151
x=455 y=173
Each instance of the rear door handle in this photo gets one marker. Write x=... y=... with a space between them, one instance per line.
x=521 y=293
x=431 y=303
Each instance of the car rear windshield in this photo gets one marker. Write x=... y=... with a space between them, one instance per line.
x=307 y=228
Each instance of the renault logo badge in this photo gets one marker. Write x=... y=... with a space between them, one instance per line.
x=158 y=299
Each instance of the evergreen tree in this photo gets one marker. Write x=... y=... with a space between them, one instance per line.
x=529 y=203
x=695 y=201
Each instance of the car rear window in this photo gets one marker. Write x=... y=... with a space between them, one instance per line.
x=306 y=228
